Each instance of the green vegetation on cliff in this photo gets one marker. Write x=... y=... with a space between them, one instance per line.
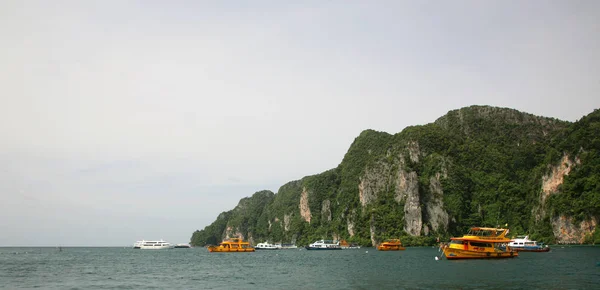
x=479 y=165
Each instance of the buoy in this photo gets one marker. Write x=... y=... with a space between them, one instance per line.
x=367 y=252
x=436 y=258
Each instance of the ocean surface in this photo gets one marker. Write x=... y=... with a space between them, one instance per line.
x=366 y=268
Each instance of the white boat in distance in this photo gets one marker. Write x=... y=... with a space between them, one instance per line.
x=524 y=244
x=286 y=246
x=324 y=245
x=155 y=245
x=265 y=246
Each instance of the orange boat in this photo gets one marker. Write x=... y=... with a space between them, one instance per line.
x=232 y=245
x=480 y=243
x=391 y=245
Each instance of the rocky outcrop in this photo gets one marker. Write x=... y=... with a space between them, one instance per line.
x=413 y=151
x=564 y=228
x=375 y=179
x=407 y=189
x=286 y=222
x=437 y=216
x=372 y=230
x=326 y=211
x=230 y=232
x=567 y=231
x=350 y=222
x=552 y=180
x=350 y=227
x=304 y=208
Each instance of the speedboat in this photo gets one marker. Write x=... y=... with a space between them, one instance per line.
x=524 y=244
x=480 y=243
x=232 y=245
x=155 y=245
x=324 y=245
x=182 y=246
x=266 y=246
x=391 y=245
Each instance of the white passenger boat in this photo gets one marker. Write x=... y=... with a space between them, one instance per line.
x=266 y=246
x=324 y=245
x=524 y=244
x=155 y=245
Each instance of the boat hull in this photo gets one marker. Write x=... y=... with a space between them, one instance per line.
x=155 y=247
x=216 y=249
x=322 y=249
x=391 y=248
x=453 y=254
x=531 y=250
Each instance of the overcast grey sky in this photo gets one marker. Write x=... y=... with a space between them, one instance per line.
x=128 y=120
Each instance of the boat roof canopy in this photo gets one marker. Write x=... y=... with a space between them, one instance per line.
x=486 y=229
x=476 y=239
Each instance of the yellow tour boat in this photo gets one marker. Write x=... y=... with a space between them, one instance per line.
x=232 y=245
x=391 y=245
x=480 y=243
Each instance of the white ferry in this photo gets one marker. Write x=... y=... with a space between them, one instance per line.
x=324 y=245
x=266 y=246
x=155 y=245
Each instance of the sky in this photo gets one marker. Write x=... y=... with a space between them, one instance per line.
x=130 y=120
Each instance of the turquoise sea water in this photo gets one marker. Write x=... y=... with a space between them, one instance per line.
x=367 y=268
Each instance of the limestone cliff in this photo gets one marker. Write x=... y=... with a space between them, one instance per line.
x=478 y=165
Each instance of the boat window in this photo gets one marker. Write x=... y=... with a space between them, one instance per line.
x=476 y=244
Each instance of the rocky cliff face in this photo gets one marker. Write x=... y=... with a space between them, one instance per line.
x=568 y=231
x=408 y=191
x=438 y=218
x=554 y=179
x=304 y=208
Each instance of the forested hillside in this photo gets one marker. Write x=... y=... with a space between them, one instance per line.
x=479 y=165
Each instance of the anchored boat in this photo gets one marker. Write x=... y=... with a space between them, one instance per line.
x=324 y=245
x=232 y=245
x=266 y=246
x=524 y=244
x=480 y=243
x=391 y=245
x=155 y=245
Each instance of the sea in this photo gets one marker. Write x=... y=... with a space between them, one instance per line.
x=564 y=267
